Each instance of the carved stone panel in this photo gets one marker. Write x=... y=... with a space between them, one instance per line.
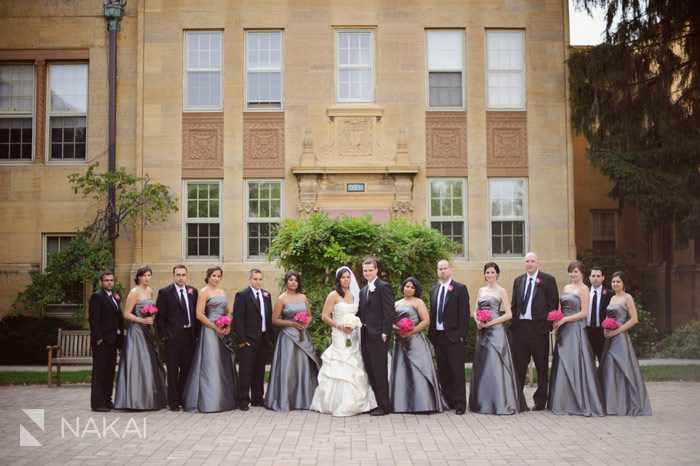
x=202 y=145
x=506 y=143
x=446 y=143
x=263 y=144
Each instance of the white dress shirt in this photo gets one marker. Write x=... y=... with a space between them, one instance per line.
x=262 y=306
x=187 y=303
x=528 y=304
x=599 y=297
x=446 y=286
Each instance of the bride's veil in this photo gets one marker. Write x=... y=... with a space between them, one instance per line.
x=354 y=287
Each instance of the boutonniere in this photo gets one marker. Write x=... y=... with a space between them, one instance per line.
x=450 y=288
x=605 y=292
x=116 y=296
x=537 y=281
x=371 y=287
x=189 y=291
x=266 y=294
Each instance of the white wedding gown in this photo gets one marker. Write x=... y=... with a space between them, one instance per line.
x=343 y=387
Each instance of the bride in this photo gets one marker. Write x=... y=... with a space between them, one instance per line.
x=343 y=388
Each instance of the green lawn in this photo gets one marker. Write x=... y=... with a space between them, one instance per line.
x=678 y=373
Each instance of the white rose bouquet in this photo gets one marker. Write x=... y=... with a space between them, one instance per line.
x=352 y=322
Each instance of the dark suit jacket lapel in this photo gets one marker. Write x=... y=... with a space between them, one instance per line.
x=111 y=302
x=173 y=289
x=252 y=298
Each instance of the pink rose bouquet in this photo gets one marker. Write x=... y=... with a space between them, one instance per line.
x=483 y=315
x=555 y=315
x=149 y=311
x=405 y=325
x=223 y=322
x=303 y=318
x=610 y=324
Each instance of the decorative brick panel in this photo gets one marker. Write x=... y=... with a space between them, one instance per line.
x=446 y=143
x=203 y=145
x=263 y=145
x=506 y=144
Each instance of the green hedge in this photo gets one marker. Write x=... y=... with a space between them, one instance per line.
x=684 y=343
x=23 y=339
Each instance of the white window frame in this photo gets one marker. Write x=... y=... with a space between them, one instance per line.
x=489 y=107
x=452 y=218
x=56 y=309
x=14 y=115
x=50 y=114
x=248 y=219
x=280 y=70
x=372 y=66
x=461 y=70
x=185 y=104
x=513 y=218
x=212 y=220
x=593 y=237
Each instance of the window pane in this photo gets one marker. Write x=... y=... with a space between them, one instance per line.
x=203 y=70
x=445 y=50
x=16 y=137
x=67 y=133
x=16 y=88
x=505 y=81
x=68 y=87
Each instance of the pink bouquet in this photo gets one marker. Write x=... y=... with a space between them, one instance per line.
x=555 y=315
x=483 y=315
x=149 y=311
x=223 y=322
x=405 y=325
x=303 y=318
x=610 y=324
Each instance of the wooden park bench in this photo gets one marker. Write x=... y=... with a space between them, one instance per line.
x=73 y=348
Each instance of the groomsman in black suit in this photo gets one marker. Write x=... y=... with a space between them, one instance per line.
x=449 y=322
x=600 y=298
x=106 y=336
x=178 y=325
x=535 y=293
x=252 y=322
x=376 y=311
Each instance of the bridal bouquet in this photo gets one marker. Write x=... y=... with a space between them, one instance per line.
x=352 y=322
x=405 y=325
x=610 y=324
x=303 y=318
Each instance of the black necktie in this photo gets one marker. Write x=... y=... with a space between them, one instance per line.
x=528 y=292
x=441 y=304
x=594 y=309
x=184 y=306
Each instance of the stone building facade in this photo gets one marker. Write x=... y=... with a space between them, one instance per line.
x=450 y=113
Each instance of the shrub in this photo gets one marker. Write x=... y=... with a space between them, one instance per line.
x=644 y=335
x=683 y=343
x=23 y=339
x=317 y=246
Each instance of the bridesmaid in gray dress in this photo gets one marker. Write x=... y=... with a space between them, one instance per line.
x=574 y=387
x=413 y=381
x=141 y=379
x=620 y=376
x=212 y=382
x=493 y=388
x=294 y=370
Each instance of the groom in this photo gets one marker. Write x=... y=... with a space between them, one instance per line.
x=376 y=312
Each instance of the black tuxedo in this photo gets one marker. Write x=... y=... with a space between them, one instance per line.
x=376 y=311
x=530 y=338
x=107 y=328
x=171 y=320
x=247 y=324
x=595 y=333
x=449 y=342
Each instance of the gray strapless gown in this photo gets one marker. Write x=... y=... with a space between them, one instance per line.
x=414 y=381
x=141 y=378
x=620 y=376
x=574 y=387
x=212 y=383
x=294 y=370
x=493 y=388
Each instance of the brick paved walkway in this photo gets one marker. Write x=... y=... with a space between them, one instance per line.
x=671 y=435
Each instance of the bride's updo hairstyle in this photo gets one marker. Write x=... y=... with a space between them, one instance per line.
x=339 y=289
